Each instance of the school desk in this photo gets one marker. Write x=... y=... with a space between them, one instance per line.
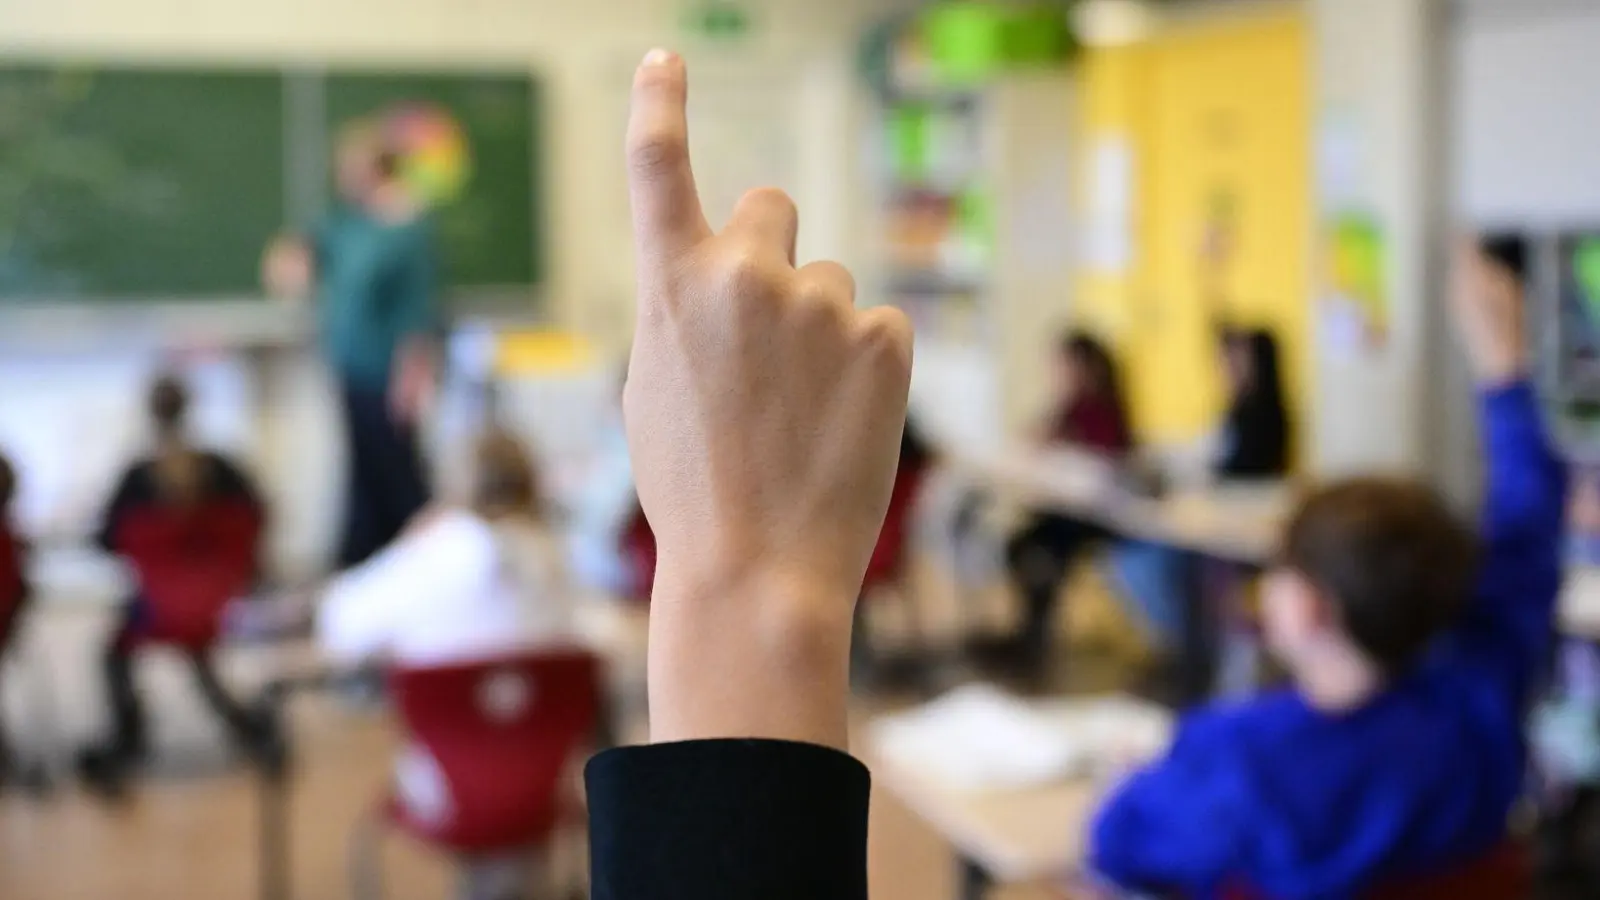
x=1025 y=835
x=615 y=631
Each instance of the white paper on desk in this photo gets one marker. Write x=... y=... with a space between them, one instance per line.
x=979 y=738
x=1120 y=731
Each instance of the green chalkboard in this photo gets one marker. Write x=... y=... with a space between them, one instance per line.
x=129 y=183
x=136 y=183
x=491 y=235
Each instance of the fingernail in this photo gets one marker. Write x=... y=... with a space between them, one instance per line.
x=658 y=57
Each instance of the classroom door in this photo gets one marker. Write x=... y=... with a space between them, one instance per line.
x=1226 y=213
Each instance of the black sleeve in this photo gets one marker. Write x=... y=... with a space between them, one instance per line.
x=232 y=482
x=728 y=820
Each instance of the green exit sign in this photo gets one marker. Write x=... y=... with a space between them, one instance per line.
x=718 y=19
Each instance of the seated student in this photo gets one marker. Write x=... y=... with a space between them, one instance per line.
x=890 y=554
x=1251 y=444
x=1399 y=751
x=460 y=584
x=14 y=593
x=601 y=515
x=1090 y=416
x=177 y=477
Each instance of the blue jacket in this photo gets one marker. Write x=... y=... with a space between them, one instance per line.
x=1296 y=804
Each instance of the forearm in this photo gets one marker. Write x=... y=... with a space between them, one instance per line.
x=787 y=678
x=1526 y=481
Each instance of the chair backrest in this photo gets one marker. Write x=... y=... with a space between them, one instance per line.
x=889 y=554
x=13 y=584
x=639 y=549
x=1505 y=873
x=190 y=562
x=501 y=733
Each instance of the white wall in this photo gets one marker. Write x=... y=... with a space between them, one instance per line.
x=69 y=415
x=584 y=51
x=1378 y=99
x=1526 y=131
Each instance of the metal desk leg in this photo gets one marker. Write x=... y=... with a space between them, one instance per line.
x=273 y=831
x=975 y=881
x=272 y=790
x=1198 y=634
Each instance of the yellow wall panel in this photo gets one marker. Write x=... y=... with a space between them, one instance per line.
x=1218 y=115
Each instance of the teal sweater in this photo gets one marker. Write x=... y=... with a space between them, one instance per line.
x=378 y=288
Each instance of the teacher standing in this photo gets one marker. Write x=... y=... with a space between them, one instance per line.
x=372 y=266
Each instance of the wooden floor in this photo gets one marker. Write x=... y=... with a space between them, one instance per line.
x=193 y=834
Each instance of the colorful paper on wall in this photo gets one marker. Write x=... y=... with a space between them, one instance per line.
x=435 y=160
x=1356 y=294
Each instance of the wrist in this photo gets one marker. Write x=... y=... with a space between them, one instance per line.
x=758 y=653
x=1494 y=375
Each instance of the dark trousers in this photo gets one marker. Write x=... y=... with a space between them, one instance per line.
x=1038 y=557
x=387 y=485
x=129 y=727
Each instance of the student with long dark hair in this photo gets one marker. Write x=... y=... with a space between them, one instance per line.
x=1091 y=416
x=1252 y=443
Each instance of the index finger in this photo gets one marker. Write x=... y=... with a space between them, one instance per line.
x=666 y=206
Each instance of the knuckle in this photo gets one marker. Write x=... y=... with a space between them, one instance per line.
x=770 y=197
x=742 y=272
x=816 y=290
x=819 y=317
x=886 y=337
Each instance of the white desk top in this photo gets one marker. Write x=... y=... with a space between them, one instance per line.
x=1235 y=522
x=1580 y=602
x=617 y=632
x=1238 y=523
x=1023 y=835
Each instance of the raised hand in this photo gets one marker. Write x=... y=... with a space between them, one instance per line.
x=764 y=414
x=287 y=268
x=1488 y=308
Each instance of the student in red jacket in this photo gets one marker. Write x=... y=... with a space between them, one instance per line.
x=14 y=593
x=183 y=480
x=1090 y=416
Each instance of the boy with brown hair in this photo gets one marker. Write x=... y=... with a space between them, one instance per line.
x=1414 y=645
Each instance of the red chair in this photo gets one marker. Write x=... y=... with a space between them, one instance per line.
x=12 y=586
x=499 y=737
x=189 y=563
x=33 y=775
x=886 y=569
x=639 y=549
x=1505 y=873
